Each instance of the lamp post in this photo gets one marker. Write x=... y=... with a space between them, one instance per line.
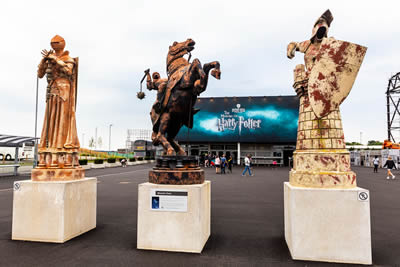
x=109 y=139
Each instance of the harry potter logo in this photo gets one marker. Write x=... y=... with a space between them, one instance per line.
x=232 y=122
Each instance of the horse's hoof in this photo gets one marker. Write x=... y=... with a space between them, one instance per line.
x=216 y=74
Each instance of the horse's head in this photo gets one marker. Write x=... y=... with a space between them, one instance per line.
x=183 y=47
x=178 y=50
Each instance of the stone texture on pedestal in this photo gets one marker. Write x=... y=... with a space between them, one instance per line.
x=53 y=211
x=321 y=159
x=177 y=176
x=176 y=170
x=318 y=133
x=322 y=169
x=58 y=165
x=57 y=174
x=330 y=225
x=175 y=231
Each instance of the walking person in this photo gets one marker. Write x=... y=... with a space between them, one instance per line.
x=202 y=160
x=230 y=162
x=274 y=164
x=251 y=164
x=217 y=164
x=212 y=160
x=390 y=165
x=223 y=164
x=247 y=163
x=123 y=163
x=376 y=164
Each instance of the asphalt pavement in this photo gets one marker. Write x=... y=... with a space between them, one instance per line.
x=246 y=223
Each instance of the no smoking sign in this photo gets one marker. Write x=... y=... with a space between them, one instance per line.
x=363 y=196
x=17 y=186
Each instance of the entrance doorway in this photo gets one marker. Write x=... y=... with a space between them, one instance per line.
x=194 y=152
x=286 y=155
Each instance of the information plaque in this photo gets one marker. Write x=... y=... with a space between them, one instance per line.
x=168 y=200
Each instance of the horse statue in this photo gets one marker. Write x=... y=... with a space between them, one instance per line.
x=177 y=95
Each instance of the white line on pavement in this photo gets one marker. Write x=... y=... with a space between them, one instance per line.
x=9 y=189
x=4 y=190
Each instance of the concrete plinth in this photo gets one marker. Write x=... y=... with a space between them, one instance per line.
x=331 y=225
x=171 y=230
x=53 y=211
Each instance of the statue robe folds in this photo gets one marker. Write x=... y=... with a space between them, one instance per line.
x=58 y=150
x=59 y=128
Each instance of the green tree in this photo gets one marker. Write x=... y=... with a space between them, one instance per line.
x=374 y=143
x=353 y=144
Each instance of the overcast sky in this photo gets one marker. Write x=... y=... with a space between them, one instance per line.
x=117 y=40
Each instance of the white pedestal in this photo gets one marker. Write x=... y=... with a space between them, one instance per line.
x=53 y=211
x=173 y=230
x=330 y=225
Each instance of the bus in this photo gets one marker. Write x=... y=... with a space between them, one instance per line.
x=143 y=148
x=25 y=151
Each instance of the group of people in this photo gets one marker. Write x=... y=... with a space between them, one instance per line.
x=220 y=163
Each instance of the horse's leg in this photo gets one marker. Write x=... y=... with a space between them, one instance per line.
x=195 y=75
x=164 y=120
x=178 y=149
x=199 y=75
x=171 y=139
x=154 y=136
x=216 y=72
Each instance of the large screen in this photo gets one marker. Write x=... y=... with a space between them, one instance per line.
x=269 y=119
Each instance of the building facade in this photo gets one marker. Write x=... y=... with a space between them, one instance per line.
x=264 y=126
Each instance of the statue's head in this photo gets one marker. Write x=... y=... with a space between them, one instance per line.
x=177 y=48
x=57 y=43
x=321 y=27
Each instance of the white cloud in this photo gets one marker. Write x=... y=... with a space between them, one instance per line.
x=269 y=114
x=210 y=125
